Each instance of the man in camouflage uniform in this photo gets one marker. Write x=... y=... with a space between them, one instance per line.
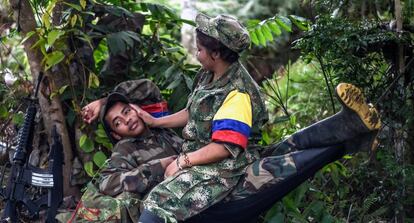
x=136 y=164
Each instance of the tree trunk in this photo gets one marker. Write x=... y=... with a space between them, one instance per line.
x=189 y=12
x=399 y=136
x=51 y=109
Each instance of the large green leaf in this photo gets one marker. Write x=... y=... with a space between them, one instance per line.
x=86 y=144
x=54 y=58
x=53 y=35
x=99 y=159
x=89 y=168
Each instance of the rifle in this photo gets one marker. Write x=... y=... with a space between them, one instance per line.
x=23 y=175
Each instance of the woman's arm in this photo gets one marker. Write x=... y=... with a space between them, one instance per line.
x=211 y=153
x=178 y=119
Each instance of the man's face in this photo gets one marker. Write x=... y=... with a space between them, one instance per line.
x=124 y=121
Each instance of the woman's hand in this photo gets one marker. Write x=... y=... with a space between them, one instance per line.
x=91 y=111
x=145 y=116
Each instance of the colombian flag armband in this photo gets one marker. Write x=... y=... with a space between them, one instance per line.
x=233 y=120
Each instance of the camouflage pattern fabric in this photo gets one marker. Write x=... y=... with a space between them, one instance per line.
x=276 y=165
x=225 y=29
x=98 y=207
x=134 y=167
x=195 y=189
x=134 y=164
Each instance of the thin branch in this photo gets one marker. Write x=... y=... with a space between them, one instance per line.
x=326 y=81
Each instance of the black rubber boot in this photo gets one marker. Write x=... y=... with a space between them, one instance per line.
x=355 y=118
x=149 y=217
x=366 y=142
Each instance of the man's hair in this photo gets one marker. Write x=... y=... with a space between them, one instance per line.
x=214 y=45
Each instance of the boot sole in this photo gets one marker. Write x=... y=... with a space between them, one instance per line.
x=353 y=98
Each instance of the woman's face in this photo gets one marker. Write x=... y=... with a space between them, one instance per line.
x=204 y=57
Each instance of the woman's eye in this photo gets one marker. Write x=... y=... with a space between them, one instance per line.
x=117 y=123
x=127 y=110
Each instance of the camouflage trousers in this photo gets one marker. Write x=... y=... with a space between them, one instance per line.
x=188 y=193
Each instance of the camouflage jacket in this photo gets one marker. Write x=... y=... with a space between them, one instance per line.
x=134 y=164
x=216 y=109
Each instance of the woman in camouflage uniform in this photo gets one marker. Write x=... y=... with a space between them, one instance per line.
x=222 y=122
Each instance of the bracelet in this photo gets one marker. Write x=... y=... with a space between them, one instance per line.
x=178 y=163
x=187 y=160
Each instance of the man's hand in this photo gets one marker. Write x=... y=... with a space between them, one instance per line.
x=167 y=161
x=91 y=111
x=145 y=116
x=171 y=169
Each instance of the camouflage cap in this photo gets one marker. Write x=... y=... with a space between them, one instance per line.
x=225 y=29
x=111 y=100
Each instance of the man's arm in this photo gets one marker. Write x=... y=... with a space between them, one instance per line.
x=115 y=179
x=142 y=91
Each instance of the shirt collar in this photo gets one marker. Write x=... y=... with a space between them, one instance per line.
x=224 y=79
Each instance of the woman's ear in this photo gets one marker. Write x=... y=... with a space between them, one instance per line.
x=215 y=55
x=116 y=136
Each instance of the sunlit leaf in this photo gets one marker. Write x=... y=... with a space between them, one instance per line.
x=53 y=35
x=62 y=89
x=260 y=36
x=274 y=27
x=46 y=20
x=300 y=22
x=284 y=22
x=73 y=20
x=82 y=3
x=89 y=168
x=99 y=159
x=53 y=59
x=28 y=35
x=253 y=37
x=77 y=7
x=93 y=80
x=86 y=144
x=266 y=32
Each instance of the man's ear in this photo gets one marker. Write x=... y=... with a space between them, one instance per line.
x=116 y=136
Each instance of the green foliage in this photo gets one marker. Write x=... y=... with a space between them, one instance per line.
x=100 y=44
x=362 y=52
x=262 y=32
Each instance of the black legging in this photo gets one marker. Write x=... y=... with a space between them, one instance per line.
x=308 y=162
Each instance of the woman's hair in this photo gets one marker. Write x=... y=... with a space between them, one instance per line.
x=213 y=45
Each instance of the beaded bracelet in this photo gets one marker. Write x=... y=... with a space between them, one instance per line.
x=187 y=160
